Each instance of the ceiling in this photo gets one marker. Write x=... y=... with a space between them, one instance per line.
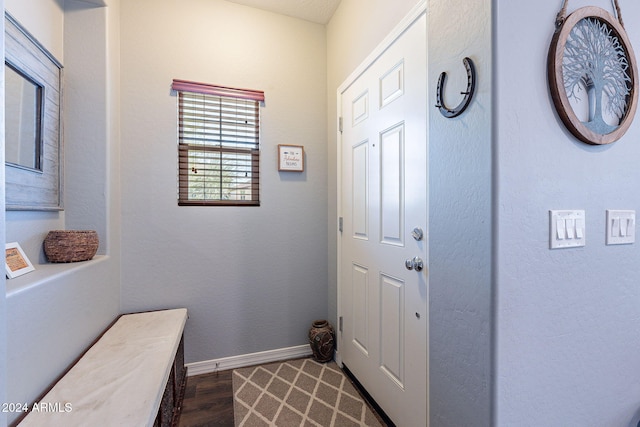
x=318 y=11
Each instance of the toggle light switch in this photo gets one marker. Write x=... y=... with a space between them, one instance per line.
x=567 y=229
x=621 y=227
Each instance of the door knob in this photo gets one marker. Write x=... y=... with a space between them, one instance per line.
x=414 y=264
x=409 y=264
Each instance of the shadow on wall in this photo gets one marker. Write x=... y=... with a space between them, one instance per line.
x=293 y=176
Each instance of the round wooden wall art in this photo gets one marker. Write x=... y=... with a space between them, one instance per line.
x=593 y=75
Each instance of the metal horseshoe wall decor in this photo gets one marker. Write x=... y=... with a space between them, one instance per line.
x=468 y=94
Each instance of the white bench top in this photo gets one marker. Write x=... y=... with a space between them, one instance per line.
x=121 y=379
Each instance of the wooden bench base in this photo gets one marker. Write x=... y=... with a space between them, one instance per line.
x=171 y=405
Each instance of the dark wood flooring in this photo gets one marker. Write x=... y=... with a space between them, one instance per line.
x=208 y=401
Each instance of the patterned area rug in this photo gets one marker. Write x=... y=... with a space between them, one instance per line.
x=298 y=392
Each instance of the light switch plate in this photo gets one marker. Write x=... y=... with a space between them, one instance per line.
x=621 y=227
x=567 y=229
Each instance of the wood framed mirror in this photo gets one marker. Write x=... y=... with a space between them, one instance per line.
x=33 y=141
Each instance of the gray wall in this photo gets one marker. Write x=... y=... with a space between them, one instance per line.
x=460 y=203
x=3 y=299
x=54 y=313
x=52 y=323
x=252 y=278
x=567 y=320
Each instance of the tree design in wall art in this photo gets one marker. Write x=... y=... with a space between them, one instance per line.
x=593 y=74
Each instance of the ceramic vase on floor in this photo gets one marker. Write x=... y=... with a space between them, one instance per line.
x=322 y=340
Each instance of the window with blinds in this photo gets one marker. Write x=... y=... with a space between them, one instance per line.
x=218 y=145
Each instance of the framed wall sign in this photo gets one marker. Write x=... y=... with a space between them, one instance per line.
x=16 y=262
x=593 y=76
x=290 y=158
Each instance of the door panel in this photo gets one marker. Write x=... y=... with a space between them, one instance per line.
x=392 y=84
x=383 y=198
x=392 y=185
x=392 y=330
x=360 y=179
x=360 y=107
x=360 y=305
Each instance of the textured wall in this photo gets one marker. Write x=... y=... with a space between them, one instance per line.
x=3 y=300
x=51 y=324
x=460 y=197
x=54 y=314
x=568 y=319
x=44 y=20
x=253 y=278
x=87 y=141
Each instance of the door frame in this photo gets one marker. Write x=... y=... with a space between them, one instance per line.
x=415 y=13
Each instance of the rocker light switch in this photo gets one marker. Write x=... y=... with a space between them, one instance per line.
x=621 y=227
x=567 y=229
x=580 y=228
x=560 y=230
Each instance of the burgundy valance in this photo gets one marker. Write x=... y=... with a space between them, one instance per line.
x=209 y=89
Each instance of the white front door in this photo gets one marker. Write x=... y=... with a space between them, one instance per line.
x=382 y=290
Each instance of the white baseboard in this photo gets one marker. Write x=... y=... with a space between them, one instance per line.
x=241 y=361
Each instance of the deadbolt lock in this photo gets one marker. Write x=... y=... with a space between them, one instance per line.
x=417 y=233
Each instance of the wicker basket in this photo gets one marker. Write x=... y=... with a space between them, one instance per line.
x=70 y=245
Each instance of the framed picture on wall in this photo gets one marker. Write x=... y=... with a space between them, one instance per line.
x=592 y=73
x=290 y=158
x=16 y=262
